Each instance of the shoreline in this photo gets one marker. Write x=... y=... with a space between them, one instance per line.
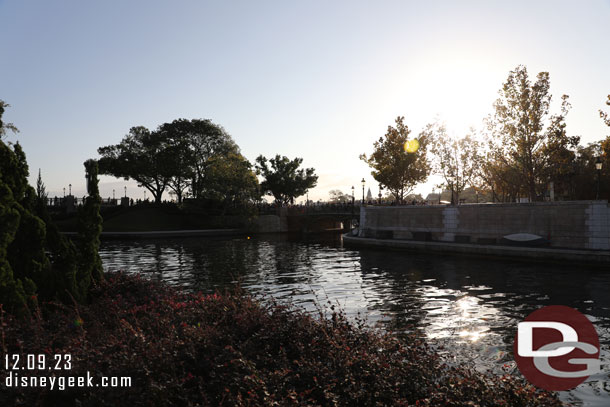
x=169 y=347
x=157 y=234
x=537 y=254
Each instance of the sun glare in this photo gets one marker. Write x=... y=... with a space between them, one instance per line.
x=411 y=146
x=457 y=90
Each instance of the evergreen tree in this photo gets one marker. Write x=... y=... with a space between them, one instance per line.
x=35 y=259
x=89 y=229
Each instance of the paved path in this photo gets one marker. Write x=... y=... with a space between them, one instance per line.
x=601 y=257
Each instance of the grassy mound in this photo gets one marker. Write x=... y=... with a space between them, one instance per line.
x=231 y=350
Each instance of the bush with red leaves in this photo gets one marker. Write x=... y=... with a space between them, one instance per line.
x=231 y=350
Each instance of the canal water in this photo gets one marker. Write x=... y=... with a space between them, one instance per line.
x=468 y=307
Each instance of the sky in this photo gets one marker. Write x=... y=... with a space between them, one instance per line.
x=318 y=80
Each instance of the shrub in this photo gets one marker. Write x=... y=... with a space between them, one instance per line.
x=232 y=350
x=35 y=260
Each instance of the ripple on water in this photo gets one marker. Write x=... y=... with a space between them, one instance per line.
x=469 y=307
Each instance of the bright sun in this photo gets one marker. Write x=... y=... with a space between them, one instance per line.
x=458 y=90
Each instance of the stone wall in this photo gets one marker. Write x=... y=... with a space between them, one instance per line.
x=269 y=224
x=568 y=224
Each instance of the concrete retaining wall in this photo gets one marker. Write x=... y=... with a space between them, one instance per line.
x=270 y=224
x=569 y=224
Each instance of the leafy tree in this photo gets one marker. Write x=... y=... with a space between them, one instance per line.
x=399 y=171
x=4 y=126
x=230 y=179
x=584 y=183
x=284 y=180
x=175 y=156
x=191 y=144
x=496 y=172
x=605 y=117
x=206 y=140
x=336 y=196
x=558 y=154
x=142 y=155
x=520 y=130
x=457 y=160
x=179 y=154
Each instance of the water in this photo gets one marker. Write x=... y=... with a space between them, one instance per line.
x=468 y=307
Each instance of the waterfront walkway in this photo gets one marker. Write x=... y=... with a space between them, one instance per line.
x=524 y=253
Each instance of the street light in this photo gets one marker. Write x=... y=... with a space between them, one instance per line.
x=113 y=194
x=598 y=167
x=64 y=192
x=125 y=188
x=380 y=188
x=70 y=186
x=363 y=183
x=351 y=222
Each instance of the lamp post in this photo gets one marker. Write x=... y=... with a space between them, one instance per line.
x=70 y=190
x=113 y=194
x=380 y=188
x=352 y=221
x=64 y=192
x=363 y=183
x=598 y=167
x=125 y=188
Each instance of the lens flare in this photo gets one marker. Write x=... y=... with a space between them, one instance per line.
x=411 y=146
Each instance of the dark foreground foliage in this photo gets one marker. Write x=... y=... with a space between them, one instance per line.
x=231 y=350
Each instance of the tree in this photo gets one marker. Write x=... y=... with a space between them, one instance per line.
x=4 y=126
x=584 y=180
x=558 y=154
x=230 y=179
x=41 y=191
x=35 y=259
x=605 y=117
x=179 y=154
x=89 y=230
x=190 y=146
x=497 y=173
x=457 y=160
x=336 y=196
x=519 y=127
x=284 y=180
x=207 y=140
x=16 y=285
x=142 y=155
x=399 y=171
x=174 y=156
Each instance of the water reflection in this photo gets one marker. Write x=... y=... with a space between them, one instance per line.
x=468 y=307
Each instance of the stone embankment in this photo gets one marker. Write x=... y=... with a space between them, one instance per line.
x=572 y=230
